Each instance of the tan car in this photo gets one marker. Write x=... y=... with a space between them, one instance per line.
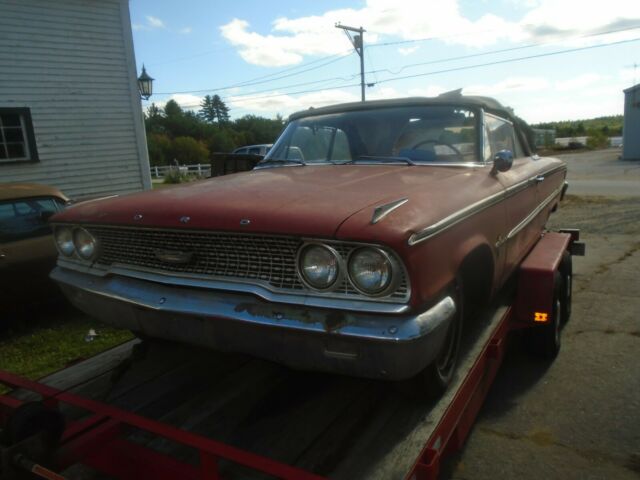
x=27 y=251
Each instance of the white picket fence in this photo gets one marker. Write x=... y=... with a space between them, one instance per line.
x=200 y=169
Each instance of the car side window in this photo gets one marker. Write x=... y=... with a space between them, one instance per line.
x=320 y=143
x=254 y=151
x=501 y=135
x=26 y=218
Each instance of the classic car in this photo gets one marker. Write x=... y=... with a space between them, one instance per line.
x=355 y=246
x=27 y=249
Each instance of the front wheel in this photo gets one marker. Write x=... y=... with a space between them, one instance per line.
x=436 y=377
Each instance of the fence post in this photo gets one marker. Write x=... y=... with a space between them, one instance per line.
x=199 y=170
x=156 y=168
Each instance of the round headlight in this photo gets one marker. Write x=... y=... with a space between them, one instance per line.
x=85 y=243
x=64 y=240
x=319 y=266
x=370 y=270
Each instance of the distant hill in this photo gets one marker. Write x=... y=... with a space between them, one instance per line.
x=610 y=126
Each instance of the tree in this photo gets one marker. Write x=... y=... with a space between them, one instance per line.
x=187 y=150
x=172 y=109
x=208 y=109
x=221 y=110
x=159 y=146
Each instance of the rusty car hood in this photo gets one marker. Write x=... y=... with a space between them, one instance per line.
x=307 y=201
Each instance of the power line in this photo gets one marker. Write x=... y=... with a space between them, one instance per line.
x=504 y=50
x=346 y=54
x=262 y=79
x=437 y=72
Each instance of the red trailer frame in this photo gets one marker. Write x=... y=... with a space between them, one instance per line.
x=98 y=441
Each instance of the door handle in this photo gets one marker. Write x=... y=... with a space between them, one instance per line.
x=539 y=179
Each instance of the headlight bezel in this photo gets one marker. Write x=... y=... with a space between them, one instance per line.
x=395 y=272
x=56 y=232
x=339 y=261
x=78 y=249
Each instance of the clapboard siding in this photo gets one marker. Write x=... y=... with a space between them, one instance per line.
x=71 y=62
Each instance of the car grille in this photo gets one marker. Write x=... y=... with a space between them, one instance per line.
x=256 y=259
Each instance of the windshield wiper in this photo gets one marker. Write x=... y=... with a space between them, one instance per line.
x=280 y=161
x=385 y=159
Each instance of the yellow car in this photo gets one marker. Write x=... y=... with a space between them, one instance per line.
x=27 y=250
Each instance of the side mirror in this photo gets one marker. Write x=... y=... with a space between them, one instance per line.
x=502 y=161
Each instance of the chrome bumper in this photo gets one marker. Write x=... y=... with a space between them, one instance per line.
x=360 y=344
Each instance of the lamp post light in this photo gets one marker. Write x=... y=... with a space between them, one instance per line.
x=145 y=84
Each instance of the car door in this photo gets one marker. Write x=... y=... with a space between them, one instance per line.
x=521 y=195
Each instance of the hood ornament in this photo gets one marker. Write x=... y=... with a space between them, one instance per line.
x=382 y=211
x=173 y=257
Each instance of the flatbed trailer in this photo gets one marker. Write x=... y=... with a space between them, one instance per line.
x=161 y=410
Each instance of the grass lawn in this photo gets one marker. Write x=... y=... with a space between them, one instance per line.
x=53 y=340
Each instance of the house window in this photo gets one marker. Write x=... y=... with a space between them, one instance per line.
x=17 y=141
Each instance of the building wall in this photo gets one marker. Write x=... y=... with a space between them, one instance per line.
x=72 y=63
x=631 y=131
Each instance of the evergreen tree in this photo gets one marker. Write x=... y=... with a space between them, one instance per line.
x=208 y=111
x=221 y=110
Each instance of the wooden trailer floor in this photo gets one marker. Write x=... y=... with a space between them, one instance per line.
x=340 y=427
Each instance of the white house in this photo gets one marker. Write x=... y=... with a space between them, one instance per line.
x=70 y=112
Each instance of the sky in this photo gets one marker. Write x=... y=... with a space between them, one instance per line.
x=547 y=59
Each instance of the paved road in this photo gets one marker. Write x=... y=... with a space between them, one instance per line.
x=601 y=172
x=578 y=418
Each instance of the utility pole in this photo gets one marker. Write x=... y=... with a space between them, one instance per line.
x=358 y=44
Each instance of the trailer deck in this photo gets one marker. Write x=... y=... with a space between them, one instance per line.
x=175 y=411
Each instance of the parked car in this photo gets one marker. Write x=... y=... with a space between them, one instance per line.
x=261 y=149
x=27 y=250
x=355 y=246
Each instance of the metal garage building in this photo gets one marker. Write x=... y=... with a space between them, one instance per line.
x=631 y=132
x=70 y=112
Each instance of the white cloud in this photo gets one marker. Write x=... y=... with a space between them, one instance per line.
x=291 y=39
x=404 y=51
x=286 y=104
x=185 y=100
x=579 y=82
x=185 y=30
x=510 y=84
x=154 y=22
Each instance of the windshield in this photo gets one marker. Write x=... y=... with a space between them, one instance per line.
x=416 y=134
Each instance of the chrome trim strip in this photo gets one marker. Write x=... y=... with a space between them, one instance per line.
x=477 y=207
x=529 y=218
x=456 y=218
x=374 y=305
x=382 y=211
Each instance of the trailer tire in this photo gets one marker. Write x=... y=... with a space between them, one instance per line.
x=544 y=341
x=435 y=378
x=566 y=270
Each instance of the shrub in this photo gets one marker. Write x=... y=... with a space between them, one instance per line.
x=176 y=176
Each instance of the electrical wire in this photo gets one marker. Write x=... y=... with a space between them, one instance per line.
x=257 y=81
x=437 y=72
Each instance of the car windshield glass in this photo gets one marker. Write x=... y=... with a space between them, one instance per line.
x=406 y=135
x=26 y=218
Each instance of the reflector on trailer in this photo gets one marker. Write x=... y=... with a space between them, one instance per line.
x=540 y=317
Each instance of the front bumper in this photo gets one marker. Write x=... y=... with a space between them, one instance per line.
x=360 y=344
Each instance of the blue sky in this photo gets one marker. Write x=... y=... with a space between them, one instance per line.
x=296 y=58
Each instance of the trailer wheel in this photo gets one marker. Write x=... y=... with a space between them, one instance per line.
x=436 y=377
x=566 y=270
x=544 y=341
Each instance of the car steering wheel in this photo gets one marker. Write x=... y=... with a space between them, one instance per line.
x=438 y=142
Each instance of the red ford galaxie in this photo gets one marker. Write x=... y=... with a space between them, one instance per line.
x=357 y=245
